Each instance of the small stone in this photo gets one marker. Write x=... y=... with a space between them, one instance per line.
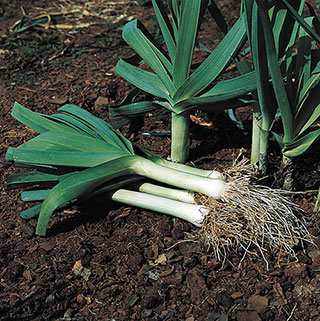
x=236 y=295
x=217 y=317
x=248 y=316
x=101 y=103
x=132 y=300
x=57 y=100
x=48 y=246
x=258 y=303
x=225 y=299
x=50 y=299
x=314 y=254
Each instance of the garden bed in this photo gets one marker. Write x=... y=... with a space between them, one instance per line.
x=103 y=261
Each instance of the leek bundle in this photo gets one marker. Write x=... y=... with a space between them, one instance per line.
x=78 y=156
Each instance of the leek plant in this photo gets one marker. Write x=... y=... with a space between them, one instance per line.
x=284 y=32
x=78 y=156
x=170 y=79
x=294 y=74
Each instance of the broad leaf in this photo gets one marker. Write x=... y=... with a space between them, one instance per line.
x=185 y=43
x=300 y=145
x=137 y=37
x=165 y=27
x=302 y=22
x=142 y=79
x=210 y=69
x=122 y=115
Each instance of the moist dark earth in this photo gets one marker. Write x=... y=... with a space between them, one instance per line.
x=104 y=261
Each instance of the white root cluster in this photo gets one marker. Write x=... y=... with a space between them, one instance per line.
x=232 y=212
x=252 y=216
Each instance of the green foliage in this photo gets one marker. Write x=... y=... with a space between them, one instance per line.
x=171 y=80
x=293 y=68
x=78 y=156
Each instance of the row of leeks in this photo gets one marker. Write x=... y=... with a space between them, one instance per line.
x=78 y=156
x=283 y=46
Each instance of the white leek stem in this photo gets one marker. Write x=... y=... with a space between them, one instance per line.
x=180 y=137
x=174 y=194
x=187 y=168
x=213 y=187
x=189 y=212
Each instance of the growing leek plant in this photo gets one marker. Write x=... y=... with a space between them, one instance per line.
x=294 y=74
x=170 y=79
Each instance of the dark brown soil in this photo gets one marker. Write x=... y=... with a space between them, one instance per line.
x=103 y=261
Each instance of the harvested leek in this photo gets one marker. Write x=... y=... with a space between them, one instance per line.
x=231 y=214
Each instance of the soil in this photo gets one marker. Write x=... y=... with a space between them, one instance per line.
x=104 y=261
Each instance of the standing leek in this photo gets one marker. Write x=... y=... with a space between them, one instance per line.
x=171 y=80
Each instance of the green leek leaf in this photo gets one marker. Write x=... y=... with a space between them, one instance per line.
x=137 y=37
x=142 y=79
x=300 y=145
x=104 y=129
x=33 y=178
x=210 y=69
x=165 y=27
x=309 y=112
x=58 y=158
x=75 y=142
x=122 y=115
x=302 y=22
x=276 y=76
x=36 y=121
x=185 y=43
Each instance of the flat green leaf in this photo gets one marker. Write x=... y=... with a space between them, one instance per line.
x=210 y=69
x=186 y=41
x=223 y=91
x=309 y=84
x=105 y=130
x=276 y=76
x=303 y=60
x=57 y=158
x=36 y=121
x=137 y=37
x=302 y=22
x=264 y=90
x=32 y=196
x=122 y=115
x=284 y=26
x=218 y=17
x=31 y=212
x=175 y=16
x=142 y=79
x=234 y=87
x=70 y=122
x=75 y=142
x=35 y=210
x=279 y=139
x=300 y=145
x=80 y=185
x=308 y=112
x=165 y=27
x=33 y=178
